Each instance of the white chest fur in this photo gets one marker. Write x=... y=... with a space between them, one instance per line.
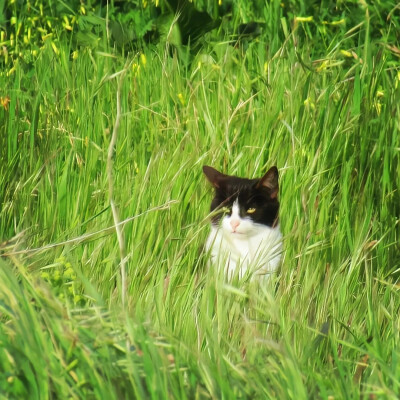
x=257 y=251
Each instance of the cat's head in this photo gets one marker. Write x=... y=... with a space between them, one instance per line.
x=245 y=204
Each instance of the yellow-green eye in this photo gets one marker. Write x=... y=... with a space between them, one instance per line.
x=251 y=210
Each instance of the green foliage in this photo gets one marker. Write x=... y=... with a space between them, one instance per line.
x=328 y=323
x=27 y=27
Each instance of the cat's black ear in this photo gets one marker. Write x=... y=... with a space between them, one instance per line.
x=213 y=175
x=270 y=181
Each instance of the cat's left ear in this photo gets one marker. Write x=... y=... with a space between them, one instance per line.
x=213 y=175
x=270 y=181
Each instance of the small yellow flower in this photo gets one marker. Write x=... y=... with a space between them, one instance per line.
x=55 y=49
x=324 y=65
x=75 y=54
x=304 y=19
x=4 y=102
x=66 y=23
x=308 y=103
x=77 y=298
x=45 y=37
x=340 y=22
x=181 y=98
x=135 y=69
x=346 y=53
x=143 y=59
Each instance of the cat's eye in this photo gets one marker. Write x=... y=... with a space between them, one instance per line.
x=251 y=210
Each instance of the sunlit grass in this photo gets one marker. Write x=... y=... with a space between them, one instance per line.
x=327 y=325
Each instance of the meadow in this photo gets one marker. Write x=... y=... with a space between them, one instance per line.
x=91 y=311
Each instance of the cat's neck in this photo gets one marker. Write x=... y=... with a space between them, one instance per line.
x=261 y=250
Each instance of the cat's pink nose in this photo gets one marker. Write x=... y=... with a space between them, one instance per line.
x=234 y=224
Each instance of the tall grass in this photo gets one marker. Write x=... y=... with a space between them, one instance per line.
x=327 y=326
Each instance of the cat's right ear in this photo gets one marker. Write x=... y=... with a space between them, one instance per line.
x=270 y=182
x=213 y=175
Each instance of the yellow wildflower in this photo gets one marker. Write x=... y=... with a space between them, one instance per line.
x=181 y=98
x=308 y=103
x=4 y=102
x=346 y=53
x=55 y=49
x=143 y=59
x=304 y=19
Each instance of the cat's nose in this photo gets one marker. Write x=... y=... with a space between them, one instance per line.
x=234 y=224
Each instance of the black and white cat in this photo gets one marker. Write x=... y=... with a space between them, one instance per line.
x=245 y=234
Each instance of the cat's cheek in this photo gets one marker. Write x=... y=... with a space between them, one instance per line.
x=225 y=224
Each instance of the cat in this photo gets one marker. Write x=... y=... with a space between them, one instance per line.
x=245 y=235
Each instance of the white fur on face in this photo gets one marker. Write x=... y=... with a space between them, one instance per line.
x=235 y=225
x=239 y=244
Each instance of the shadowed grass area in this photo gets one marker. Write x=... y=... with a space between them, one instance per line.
x=327 y=325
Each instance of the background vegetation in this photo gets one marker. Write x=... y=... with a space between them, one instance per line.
x=313 y=87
